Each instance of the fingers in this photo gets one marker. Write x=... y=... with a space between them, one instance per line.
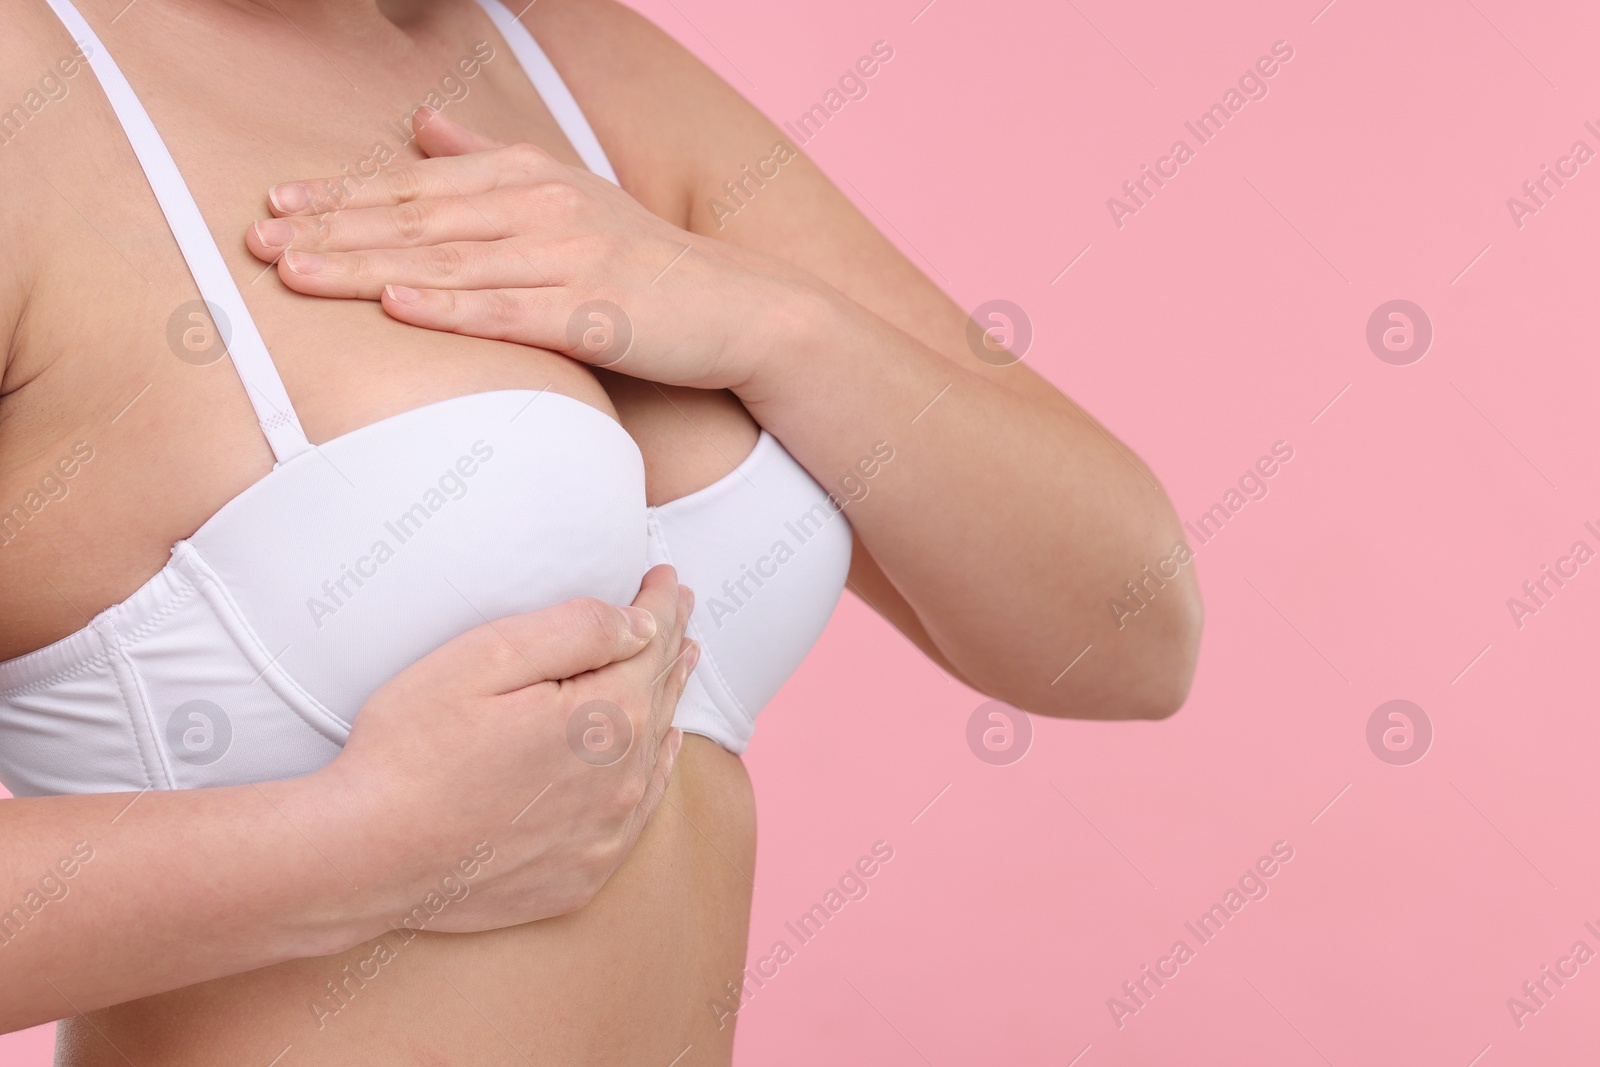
x=675 y=680
x=558 y=643
x=672 y=676
x=430 y=222
x=441 y=136
x=454 y=175
x=656 y=758
x=670 y=672
x=660 y=778
x=463 y=265
x=665 y=758
x=527 y=316
x=670 y=604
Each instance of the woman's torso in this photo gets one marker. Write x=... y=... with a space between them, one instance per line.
x=245 y=99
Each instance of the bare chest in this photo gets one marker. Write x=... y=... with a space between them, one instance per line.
x=122 y=385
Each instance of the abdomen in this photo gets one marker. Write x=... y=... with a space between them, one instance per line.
x=630 y=978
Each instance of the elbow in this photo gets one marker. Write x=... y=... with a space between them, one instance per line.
x=1156 y=696
x=1166 y=674
x=1157 y=693
x=1158 y=681
x=1143 y=676
x=1170 y=664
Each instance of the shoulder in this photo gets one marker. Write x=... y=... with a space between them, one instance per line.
x=656 y=108
x=39 y=65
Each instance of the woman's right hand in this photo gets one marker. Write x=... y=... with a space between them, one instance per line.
x=457 y=804
x=503 y=777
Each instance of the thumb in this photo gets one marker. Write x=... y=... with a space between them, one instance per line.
x=440 y=136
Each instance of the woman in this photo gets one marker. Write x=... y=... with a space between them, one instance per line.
x=375 y=489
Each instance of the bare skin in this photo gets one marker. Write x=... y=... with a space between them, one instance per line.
x=95 y=277
x=90 y=336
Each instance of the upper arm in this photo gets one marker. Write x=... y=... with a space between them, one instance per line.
x=660 y=111
x=801 y=216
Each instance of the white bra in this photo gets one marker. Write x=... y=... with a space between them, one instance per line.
x=248 y=655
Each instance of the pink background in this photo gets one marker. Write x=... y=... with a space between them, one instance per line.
x=1223 y=317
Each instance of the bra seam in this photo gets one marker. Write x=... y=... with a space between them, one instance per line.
x=103 y=657
x=99 y=659
x=243 y=636
x=742 y=728
x=144 y=629
x=135 y=704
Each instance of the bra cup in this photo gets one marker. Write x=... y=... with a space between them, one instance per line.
x=351 y=562
x=247 y=657
x=767 y=554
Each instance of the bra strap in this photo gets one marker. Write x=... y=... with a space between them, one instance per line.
x=547 y=82
x=245 y=347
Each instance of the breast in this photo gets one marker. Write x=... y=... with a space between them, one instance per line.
x=352 y=561
x=248 y=656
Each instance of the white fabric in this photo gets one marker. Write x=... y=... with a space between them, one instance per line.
x=248 y=655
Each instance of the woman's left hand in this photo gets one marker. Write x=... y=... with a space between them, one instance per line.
x=507 y=242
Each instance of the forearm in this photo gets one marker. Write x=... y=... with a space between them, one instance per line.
x=1007 y=522
x=107 y=898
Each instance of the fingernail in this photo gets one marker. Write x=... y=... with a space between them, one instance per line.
x=692 y=656
x=640 y=622
x=289 y=197
x=303 y=262
x=275 y=232
x=674 y=742
x=404 y=294
x=688 y=599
